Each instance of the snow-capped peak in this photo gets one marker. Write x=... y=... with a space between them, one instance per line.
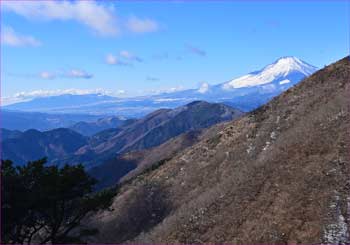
x=289 y=64
x=277 y=70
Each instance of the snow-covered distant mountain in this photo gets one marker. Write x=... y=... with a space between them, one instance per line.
x=252 y=90
x=280 y=70
x=244 y=93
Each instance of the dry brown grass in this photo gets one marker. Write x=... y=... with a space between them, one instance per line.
x=281 y=174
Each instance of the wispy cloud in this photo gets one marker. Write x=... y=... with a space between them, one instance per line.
x=195 y=50
x=73 y=73
x=153 y=79
x=11 y=38
x=47 y=75
x=120 y=92
x=47 y=93
x=164 y=90
x=124 y=58
x=138 y=25
x=129 y=56
x=161 y=56
x=111 y=59
x=96 y=16
x=100 y=17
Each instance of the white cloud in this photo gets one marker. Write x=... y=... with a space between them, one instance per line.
x=165 y=90
x=203 y=88
x=175 y=89
x=121 y=92
x=47 y=93
x=28 y=95
x=126 y=54
x=12 y=38
x=47 y=75
x=111 y=59
x=10 y=100
x=137 y=25
x=74 y=73
x=129 y=56
x=114 y=60
x=41 y=93
x=168 y=99
x=151 y=78
x=124 y=58
x=96 y=16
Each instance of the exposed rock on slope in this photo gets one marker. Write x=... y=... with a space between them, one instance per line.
x=280 y=174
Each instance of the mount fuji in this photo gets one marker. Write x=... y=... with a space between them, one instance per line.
x=245 y=93
x=282 y=71
x=252 y=90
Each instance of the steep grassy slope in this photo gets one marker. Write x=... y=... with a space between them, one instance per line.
x=280 y=174
x=129 y=165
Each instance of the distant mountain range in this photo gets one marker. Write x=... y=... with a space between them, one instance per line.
x=244 y=93
x=9 y=134
x=33 y=144
x=91 y=128
x=18 y=120
x=67 y=146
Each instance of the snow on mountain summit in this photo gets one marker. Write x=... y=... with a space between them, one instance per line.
x=278 y=70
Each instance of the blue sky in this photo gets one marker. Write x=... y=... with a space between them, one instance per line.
x=134 y=48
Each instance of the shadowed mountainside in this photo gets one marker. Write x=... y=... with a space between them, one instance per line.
x=33 y=144
x=63 y=146
x=19 y=120
x=278 y=175
x=153 y=130
x=129 y=165
x=92 y=128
